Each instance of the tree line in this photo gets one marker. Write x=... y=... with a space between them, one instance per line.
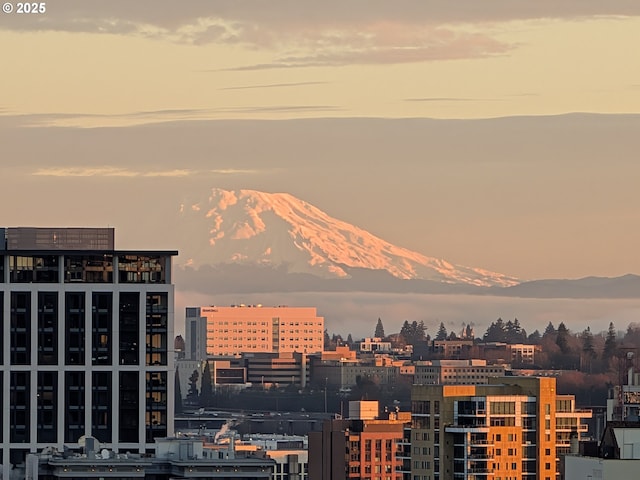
x=561 y=348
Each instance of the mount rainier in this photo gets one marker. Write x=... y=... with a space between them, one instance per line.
x=278 y=230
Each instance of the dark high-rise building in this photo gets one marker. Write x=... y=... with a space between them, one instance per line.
x=85 y=342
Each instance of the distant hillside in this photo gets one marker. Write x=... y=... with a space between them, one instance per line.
x=627 y=286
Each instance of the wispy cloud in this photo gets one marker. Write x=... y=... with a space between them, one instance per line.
x=448 y=99
x=386 y=44
x=332 y=32
x=82 y=120
x=281 y=108
x=111 y=171
x=274 y=85
x=234 y=171
x=524 y=94
x=168 y=173
x=106 y=172
x=233 y=21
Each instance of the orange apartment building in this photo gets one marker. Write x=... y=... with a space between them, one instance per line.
x=252 y=329
x=363 y=446
x=512 y=428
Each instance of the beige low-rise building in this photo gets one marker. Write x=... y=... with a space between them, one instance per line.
x=242 y=329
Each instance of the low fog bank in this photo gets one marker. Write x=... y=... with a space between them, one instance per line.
x=357 y=312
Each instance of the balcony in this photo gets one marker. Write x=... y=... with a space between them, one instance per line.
x=479 y=456
x=480 y=471
x=467 y=429
x=578 y=413
x=568 y=428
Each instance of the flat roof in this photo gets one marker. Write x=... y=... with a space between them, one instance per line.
x=87 y=252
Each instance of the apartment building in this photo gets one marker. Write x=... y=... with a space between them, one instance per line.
x=453 y=349
x=84 y=343
x=345 y=373
x=364 y=446
x=277 y=369
x=252 y=329
x=465 y=372
x=512 y=428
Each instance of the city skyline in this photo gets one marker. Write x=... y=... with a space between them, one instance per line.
x=457 y=130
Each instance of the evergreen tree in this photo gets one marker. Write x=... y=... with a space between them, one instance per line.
x=588 y=350
x=442 y=332
x=509 y=331
x=562 y=338
x=587 y=343
x=349 y=340
x=610 y=343
x=379 y=333
x=516 y=334
x=206 y=387
x=550 y=331
x=405 y=331
x=327 y=340
x=632 y=336
x=496 y=332
x=535 y=337
x=413 y=332
x=177 y=393
x=192 y=393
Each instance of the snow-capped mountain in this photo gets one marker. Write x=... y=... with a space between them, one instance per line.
x=278 y=229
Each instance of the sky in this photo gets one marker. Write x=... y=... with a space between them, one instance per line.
x=494 y=134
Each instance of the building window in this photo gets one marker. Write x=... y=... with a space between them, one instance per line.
x=74 y=328
x=503 y=408
x=19 y=403
x=47 y=328
x=129 y=323
x=128 y=407
x=141 y=269
x=74 y=405
x=20 y=328
x=101 y=405
x=1 y=323
x=101 y=328
x=156 y=328
x=33 y=269
x=88 y=269
x=47 y=400
x=156 y=406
